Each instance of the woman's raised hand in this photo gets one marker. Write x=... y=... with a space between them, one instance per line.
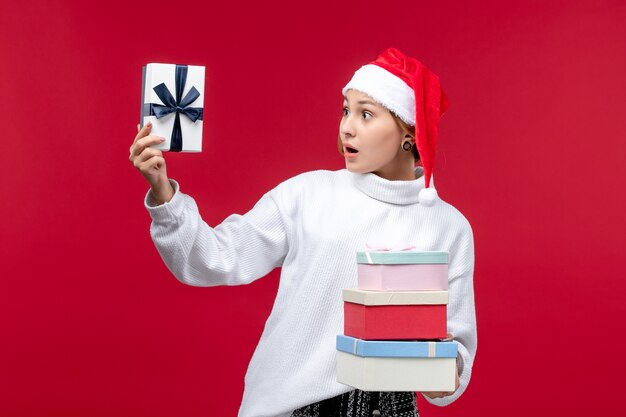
x=151 y=164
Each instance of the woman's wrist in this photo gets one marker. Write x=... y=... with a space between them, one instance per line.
x=162 y=192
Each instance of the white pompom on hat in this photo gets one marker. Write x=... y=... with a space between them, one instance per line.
x=410 y=90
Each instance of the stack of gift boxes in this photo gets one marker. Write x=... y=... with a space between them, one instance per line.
x=395 y=324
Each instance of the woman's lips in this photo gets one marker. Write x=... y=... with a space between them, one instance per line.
x=349 y=151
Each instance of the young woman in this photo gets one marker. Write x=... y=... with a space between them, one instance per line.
x=312 y=225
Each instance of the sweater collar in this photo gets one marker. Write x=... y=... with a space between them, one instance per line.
x=394 y=192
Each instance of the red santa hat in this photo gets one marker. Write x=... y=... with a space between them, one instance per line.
x=411 y=91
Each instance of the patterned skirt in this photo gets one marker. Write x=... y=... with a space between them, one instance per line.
x=359 y=403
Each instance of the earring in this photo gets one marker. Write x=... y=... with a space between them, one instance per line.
x=407 y=146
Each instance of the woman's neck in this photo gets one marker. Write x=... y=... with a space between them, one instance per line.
x=404 y=172
x=390 y=191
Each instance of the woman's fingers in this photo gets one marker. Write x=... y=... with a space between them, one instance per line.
x=154 y=163
x=141 y=144
x=144 y=131
x=149 y=160
x=146 y=154
x=437 y=394
x=441 y=394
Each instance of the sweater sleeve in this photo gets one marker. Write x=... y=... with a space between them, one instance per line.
x=461 y=310
x=238 y=251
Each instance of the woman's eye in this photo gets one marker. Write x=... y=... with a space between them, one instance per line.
x=366 y=115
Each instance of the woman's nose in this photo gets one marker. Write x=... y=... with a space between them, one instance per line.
x=347 y=126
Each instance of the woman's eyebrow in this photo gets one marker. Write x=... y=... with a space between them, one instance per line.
x=362 y=101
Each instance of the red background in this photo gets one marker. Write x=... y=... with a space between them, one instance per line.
x=531 y=151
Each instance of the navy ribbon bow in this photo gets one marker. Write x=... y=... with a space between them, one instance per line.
x=178 y=106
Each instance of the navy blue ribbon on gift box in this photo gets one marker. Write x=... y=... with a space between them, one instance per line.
x=178 y=106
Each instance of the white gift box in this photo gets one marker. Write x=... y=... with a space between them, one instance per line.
x=396 y=366
x=172 y=99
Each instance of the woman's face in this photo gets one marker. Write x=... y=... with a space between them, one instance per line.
x=372 y=140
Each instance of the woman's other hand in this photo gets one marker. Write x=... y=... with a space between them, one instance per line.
x=441 y=394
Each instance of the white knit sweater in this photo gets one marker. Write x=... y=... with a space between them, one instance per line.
x=312 y=226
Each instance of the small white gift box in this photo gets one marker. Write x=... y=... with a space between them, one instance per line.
x=172 y=99
x=396 y=366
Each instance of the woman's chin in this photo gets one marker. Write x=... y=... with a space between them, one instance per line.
x=356 y=169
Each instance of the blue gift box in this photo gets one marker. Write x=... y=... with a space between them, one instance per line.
x=396 y=349
x=396 y=365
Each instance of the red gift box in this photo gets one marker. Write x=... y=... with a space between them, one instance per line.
x=381 y=316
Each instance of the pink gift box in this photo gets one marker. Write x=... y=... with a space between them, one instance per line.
x=402 y=270
x=403 y=277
